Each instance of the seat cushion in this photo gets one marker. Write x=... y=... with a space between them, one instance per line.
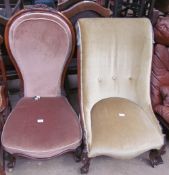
x=41 y=128
x=121 y=129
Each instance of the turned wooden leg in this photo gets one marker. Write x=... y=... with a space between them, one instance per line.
x=155 y=156
x=86 y=163
x=78 y=154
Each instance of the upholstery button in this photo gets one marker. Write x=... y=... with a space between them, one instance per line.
x=130 y=78
x=114 y=77
x=99 y=80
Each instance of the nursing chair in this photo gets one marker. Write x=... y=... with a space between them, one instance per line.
x=114 y=76
x=40 y=43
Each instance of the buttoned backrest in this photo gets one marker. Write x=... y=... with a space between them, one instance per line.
x=40 y=43
x=115 y=61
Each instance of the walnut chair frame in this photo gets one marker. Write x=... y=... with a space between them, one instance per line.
x=57 y=23
x=82 y=9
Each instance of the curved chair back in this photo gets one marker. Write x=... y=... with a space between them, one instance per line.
x=115 y=61
x=86 y=9
x=40 y=43
x=66 y=4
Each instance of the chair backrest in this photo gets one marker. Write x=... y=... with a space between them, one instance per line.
x=115 y=61
x=40 y=43
x=64 y=5
x=86 y=9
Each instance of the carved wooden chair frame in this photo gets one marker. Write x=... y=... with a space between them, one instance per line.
x=82 y=7
x=31 y=9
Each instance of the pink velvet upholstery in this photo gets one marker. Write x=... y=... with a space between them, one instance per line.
x=40 y=42
x=40 y=51
x=60 y=130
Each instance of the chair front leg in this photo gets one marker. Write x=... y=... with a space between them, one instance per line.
x=10 y=159
x=155 y=156
x=86 y=162
x=78 y=153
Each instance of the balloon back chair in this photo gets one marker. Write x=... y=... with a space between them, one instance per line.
x=115 y=58
x=40 y=43
x=82 y=9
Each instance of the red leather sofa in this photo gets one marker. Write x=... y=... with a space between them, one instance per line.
x=160 y=71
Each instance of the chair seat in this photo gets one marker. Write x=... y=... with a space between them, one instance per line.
x=121 y=129
x=41 y=128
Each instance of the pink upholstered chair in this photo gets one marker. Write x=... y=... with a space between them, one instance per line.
x=115 y=64
x=40 y=43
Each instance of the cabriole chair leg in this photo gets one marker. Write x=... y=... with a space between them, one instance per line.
x=155 y=156
x=86 y=163
x=78 y=154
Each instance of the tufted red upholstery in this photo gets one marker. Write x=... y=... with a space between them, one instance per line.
x=160 y=69
x=161 y=31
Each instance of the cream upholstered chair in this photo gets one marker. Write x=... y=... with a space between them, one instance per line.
x=115 y=64
x=43 y=124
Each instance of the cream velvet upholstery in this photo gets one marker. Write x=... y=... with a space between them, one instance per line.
x=45 y=47
x=121 y=124
x=115 y=61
